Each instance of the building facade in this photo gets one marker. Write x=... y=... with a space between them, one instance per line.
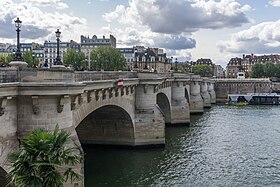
x=246 y=63
x=89 y=44
x=50 y=50
x=146 y=59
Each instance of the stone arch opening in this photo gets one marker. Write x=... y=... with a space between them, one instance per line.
x=164 y=105
x=187 y=95
x=107 y=125
x=3 y=177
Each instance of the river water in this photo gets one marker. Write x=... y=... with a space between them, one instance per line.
x=226 y=146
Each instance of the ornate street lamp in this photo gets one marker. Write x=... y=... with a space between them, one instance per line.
x=146 y=56
x=33 y=60
x=176 y=65
x=58 y=59
x=135 y=55
x=18 y=56
x=171 y=63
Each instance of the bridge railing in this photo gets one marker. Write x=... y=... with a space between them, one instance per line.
x=103 y=75
x=8 y=75
x=242 y=80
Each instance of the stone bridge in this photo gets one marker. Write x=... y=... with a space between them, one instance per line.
x=93 y=109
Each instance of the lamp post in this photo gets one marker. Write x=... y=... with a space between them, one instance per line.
x=155 y=69
x=18 y=56
x=171 y=63
x=33 y=60
x=176 y=63
x=58 y=59
x=135 y=56
x=146 y=56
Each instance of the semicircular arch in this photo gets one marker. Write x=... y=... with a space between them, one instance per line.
x=109 y=124
x=86 y=109
x=165 y=106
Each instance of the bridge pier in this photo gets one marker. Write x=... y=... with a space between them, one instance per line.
x=211 y=91
x=196 y=101
x=149 y=118
x=180 y=109
x=205 y=93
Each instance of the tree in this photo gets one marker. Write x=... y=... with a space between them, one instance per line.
x=44 y=160
x=5 y=60
x=107 y=58
x=277 y=70
x=28 y=58
x=257 y=70
x=10 y=58
x=74 y=59
x=269 y=69
x=203 y=70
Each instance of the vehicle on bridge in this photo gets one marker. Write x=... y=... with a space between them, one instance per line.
x=253 y=99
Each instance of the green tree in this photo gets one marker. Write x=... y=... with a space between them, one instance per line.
x=44 y=160
x=107 y=58
x=10 y=58
x=269 y=69
x=74 y=59
x=203 y=70
x=258 y=70
x=277 y=70
x=28 y=58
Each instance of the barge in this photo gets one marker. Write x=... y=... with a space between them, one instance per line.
x=254 y=99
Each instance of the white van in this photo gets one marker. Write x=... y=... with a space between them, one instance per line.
x=241 y=75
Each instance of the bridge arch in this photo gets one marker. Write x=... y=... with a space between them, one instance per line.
x=164 y=105
x=107 y=125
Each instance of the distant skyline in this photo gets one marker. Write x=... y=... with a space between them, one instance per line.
x=187 y=29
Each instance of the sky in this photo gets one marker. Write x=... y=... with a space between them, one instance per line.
x=186 y=29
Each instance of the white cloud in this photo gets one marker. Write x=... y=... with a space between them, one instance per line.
x=275 y=3
x=177 y=16
x=170 y=24
x=261 y=38
x=37 y=25
x=52 y=3
x=111 y=16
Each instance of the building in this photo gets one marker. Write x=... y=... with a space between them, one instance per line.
x=234 y=66
x=246 y=63
x=206 y=61
x=88 y=44
x=218 y=71
x=6 y=49
x=129 y=55
x=50 y=50
x=150 y=59
x=249 y=60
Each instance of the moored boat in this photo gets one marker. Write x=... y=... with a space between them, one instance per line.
x=254 y=99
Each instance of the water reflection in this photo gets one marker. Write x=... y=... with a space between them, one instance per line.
x=226 y=146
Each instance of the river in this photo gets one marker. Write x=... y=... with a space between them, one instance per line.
x=226 y=146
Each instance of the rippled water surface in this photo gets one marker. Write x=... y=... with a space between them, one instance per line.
x=226 y=146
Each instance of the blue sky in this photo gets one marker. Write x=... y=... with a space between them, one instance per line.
x=186 y=29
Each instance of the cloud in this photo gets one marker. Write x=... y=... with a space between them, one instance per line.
x=133 y=36
x=175 y=42
x=275 y=3
x=260 y=38
x=37 y=25
x=177 y=16
x=45 y=3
